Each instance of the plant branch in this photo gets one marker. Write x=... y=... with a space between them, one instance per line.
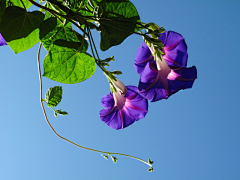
x=54 y=13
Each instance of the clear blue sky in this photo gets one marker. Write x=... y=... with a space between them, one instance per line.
x=192 y=135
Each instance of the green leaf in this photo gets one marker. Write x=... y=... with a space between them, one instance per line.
x=63 y=113
x=73 y=45
x=62 y=35
x=2 y=7
x=117 y=22
x=67 y=65
x=20 y=28
x=47 y=26
x=19 y=4
x=72 y=4
x=54 y=96
x=105 y=156
x=87 y=4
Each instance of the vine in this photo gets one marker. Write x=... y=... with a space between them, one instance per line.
x=161 y=60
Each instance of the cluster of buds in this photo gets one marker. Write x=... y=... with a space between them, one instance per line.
x=153 y=41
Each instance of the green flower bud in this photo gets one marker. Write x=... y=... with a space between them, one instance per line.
x=153 y=26
x=150 y=169
x=117 y=72
x=63 y=113
x=114 y=159
x=150 y=161
x=108 y=59
x=105 y=156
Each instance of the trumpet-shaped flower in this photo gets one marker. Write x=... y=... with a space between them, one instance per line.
x=121 y=110
x=2 y=41
x=164 y=76
x=175 y=50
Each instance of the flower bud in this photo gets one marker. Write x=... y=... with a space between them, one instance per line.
x=120 y=87
x=117 y=72
x=153 y=26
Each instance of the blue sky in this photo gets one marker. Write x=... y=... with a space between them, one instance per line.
x=192 y=135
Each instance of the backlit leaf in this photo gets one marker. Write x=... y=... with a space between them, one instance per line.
x=62 y=35
x=54 y=96
x=68 y=65
x=63 y=113
x=19 y=4
x=20 y=28
x=117 y=22
x=47 y=26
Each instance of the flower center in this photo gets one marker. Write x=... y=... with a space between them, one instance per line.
x=119 y=100
x=163 y=67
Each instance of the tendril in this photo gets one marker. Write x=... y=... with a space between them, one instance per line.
x=45 y=115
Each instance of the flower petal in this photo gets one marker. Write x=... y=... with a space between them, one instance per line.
x=149 y=73
x=2 y=41
x=176 y=58
x=172 y=39
x=184 y=81
x=175 y=49
x=116 y=119
x=150 y=85
x=178 y=79
x=135 y=108
x=107 y=101
x=154 y=93
x=143 y=56
x=110 y=116
x=128 y=119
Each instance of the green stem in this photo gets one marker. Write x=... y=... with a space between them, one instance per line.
x=96 y=60
x=81 y=4
x=90 y=34
x=83 y=37
x=72 y=14
x=88 y=17
x=106 y=72
x=56 y=13
x=49 y=10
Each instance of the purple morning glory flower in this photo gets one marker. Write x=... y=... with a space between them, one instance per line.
x=121 y=110
x=2 y=41
x=164 y=76
x=175 y=50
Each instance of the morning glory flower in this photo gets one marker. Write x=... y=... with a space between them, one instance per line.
x=175 y=50
x=167 y=74
x=2 y=41
x=123 y=107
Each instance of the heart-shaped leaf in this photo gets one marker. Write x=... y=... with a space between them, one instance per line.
x=54 y=96
x=20 y=28
x=68 y=65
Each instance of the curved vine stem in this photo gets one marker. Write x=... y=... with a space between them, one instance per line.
x=45 y=115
